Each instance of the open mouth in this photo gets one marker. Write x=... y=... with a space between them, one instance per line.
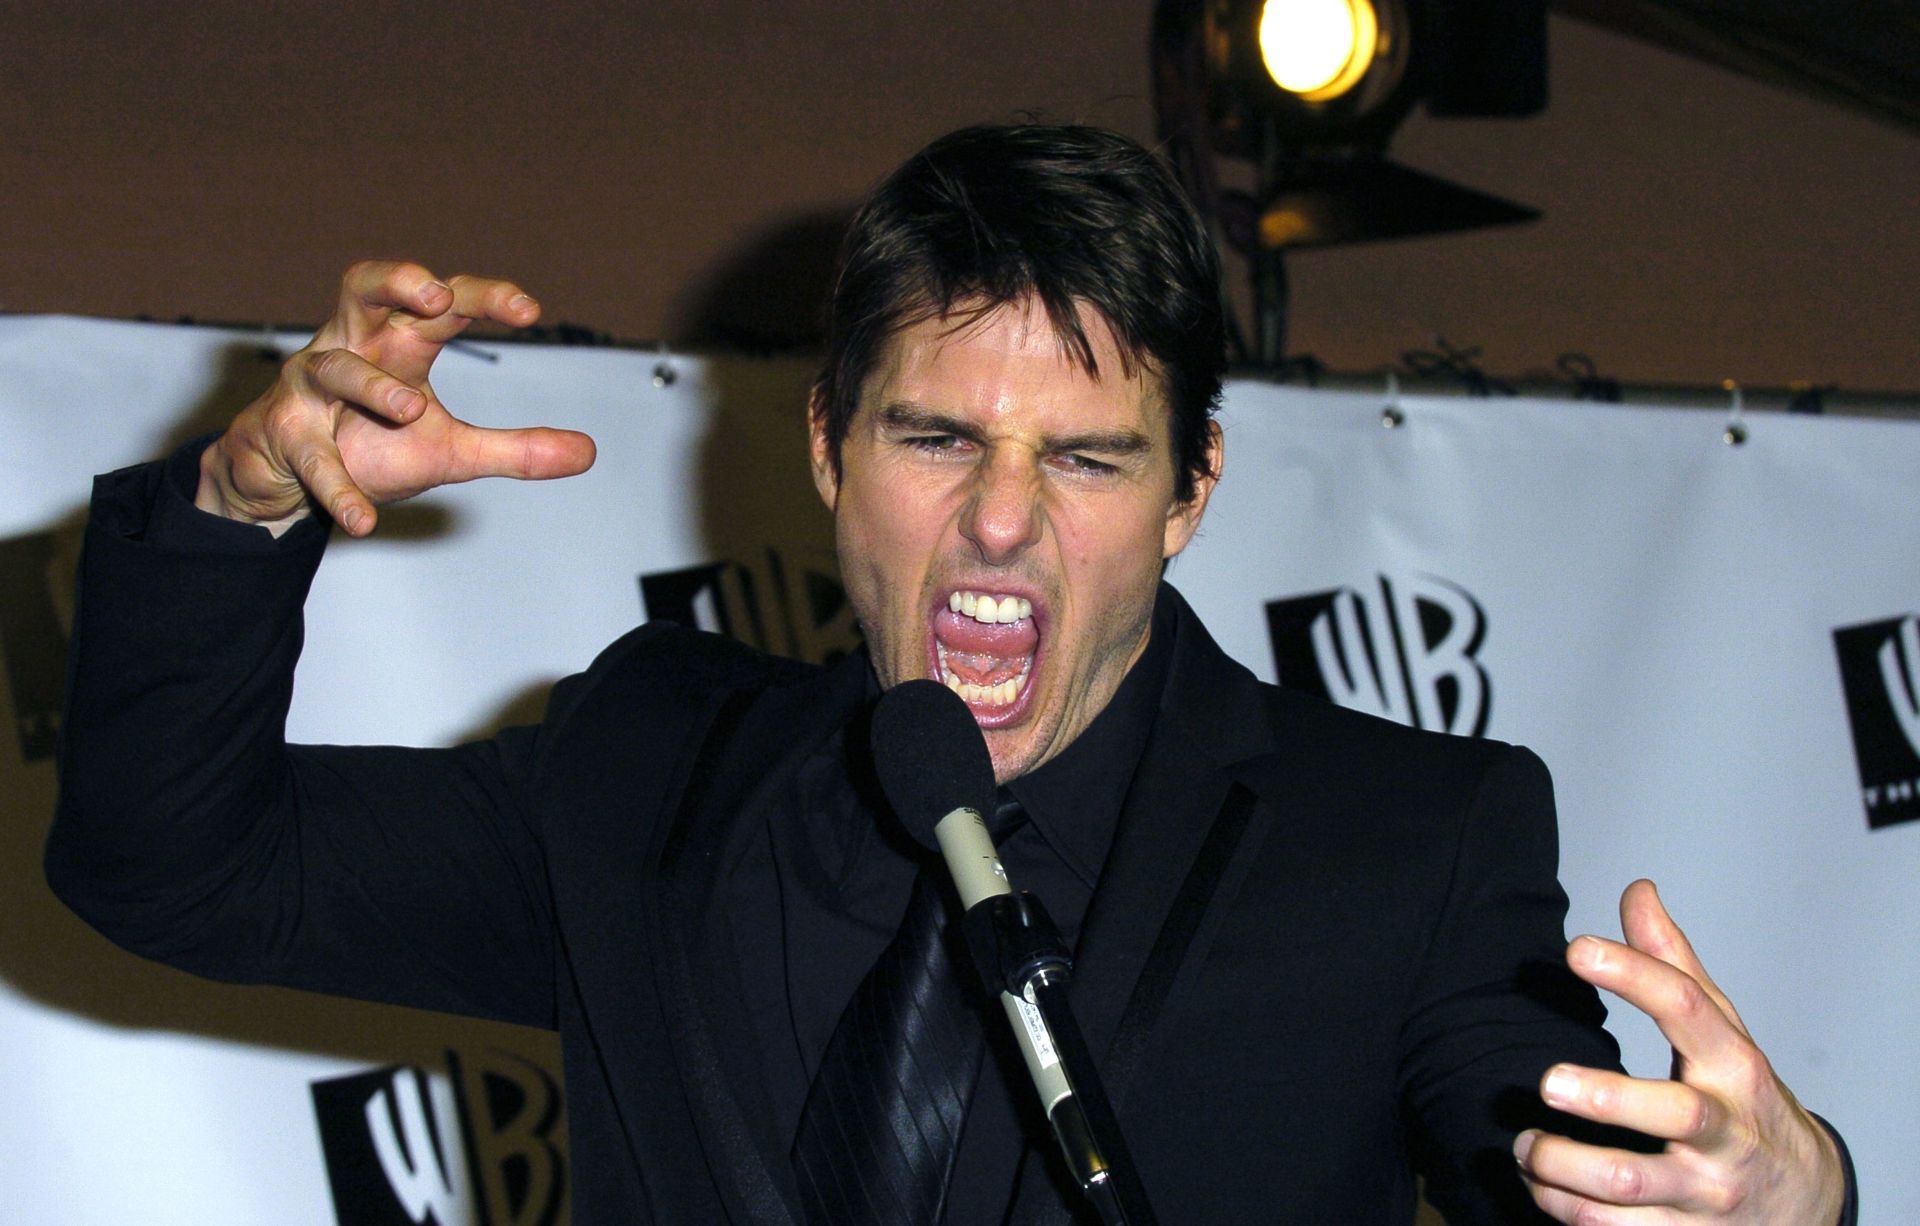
x=983 y=648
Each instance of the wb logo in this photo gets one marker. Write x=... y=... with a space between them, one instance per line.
x=1404 y=652
x=784 y=604
x=1880 y=672
x=476 y=1146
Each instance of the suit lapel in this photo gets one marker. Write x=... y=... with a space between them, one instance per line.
x=754 y=741
x=1187 y=801
x=1211 y=720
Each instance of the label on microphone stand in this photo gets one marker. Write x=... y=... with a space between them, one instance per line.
x=1037 y=1032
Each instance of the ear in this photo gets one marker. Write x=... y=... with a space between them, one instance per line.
x=1183 y=518
x=826 y=477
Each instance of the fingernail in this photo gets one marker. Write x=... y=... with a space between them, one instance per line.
x=433 y=289
x=1560 y=1088
x=1522 y=1146
x=350 y=520
x=520 y=302
x=403 y=399
x=1589 y=953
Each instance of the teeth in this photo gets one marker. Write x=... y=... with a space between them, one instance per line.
x=990 y=610
x=999 y=695
x=988 y=695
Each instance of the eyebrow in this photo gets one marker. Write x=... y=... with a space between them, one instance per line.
x=905 y=415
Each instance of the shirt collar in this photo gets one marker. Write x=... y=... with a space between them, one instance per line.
x=1074 y=798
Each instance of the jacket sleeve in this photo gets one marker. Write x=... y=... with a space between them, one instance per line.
x=1495 y=1005
x=188 y=831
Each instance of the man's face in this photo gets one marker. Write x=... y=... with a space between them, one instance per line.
x=1001 y=517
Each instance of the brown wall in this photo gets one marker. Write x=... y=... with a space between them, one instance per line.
x=636 y=165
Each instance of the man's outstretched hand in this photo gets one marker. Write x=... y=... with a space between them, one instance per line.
x=1739 y=1147
x=352 y=422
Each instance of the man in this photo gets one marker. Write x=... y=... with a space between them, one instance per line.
x=1317 y=952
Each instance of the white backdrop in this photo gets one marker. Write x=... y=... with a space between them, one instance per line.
x=1651 y=609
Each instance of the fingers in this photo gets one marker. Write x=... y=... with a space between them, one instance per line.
x=1736 y=1138
x=1669 y=1110
x=1593 y=1184
x=326 y=432
x=475 y=298
x=341 y=374
x=281 y=452
x=1682 y=1007
x=480 y=298
x=315 y=461
x=1564 y=1206
x=372 y=291
x=309 y=445
x=1647 y=926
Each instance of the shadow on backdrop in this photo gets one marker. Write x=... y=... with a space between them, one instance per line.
x=47 y=954
x=768 y=295
x=769 y=577
x=760 y=520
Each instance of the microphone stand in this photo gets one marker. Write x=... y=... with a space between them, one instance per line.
x=1019 y=953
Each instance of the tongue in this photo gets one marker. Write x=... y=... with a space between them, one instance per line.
x=1007 y=640
x=985 y=655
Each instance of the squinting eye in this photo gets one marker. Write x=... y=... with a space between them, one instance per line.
x=1085 y=464
x=934 y=442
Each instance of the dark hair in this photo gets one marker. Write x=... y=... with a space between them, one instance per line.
x=987 y=216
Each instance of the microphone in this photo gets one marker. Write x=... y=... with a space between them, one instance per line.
x=938 y=776
x=936 y=772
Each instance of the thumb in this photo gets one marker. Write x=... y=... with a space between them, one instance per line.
x=535 y=453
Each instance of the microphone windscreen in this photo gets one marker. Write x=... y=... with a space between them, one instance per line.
x=930 y=756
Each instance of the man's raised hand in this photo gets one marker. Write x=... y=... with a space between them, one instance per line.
x=352 y=422
x=1739 y=1147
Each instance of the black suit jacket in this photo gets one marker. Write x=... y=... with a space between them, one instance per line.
x=1325 y=949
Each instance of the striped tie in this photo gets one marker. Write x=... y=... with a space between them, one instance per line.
x=881 y=1126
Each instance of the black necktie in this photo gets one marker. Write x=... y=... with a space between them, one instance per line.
x=881 y=1125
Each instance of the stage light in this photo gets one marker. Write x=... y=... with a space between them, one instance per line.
x=1307 y=94
x=1318 y=49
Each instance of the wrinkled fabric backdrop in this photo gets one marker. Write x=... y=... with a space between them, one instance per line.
x=1714 y=647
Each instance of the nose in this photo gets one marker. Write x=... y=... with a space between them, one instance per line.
x=1004 y=517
